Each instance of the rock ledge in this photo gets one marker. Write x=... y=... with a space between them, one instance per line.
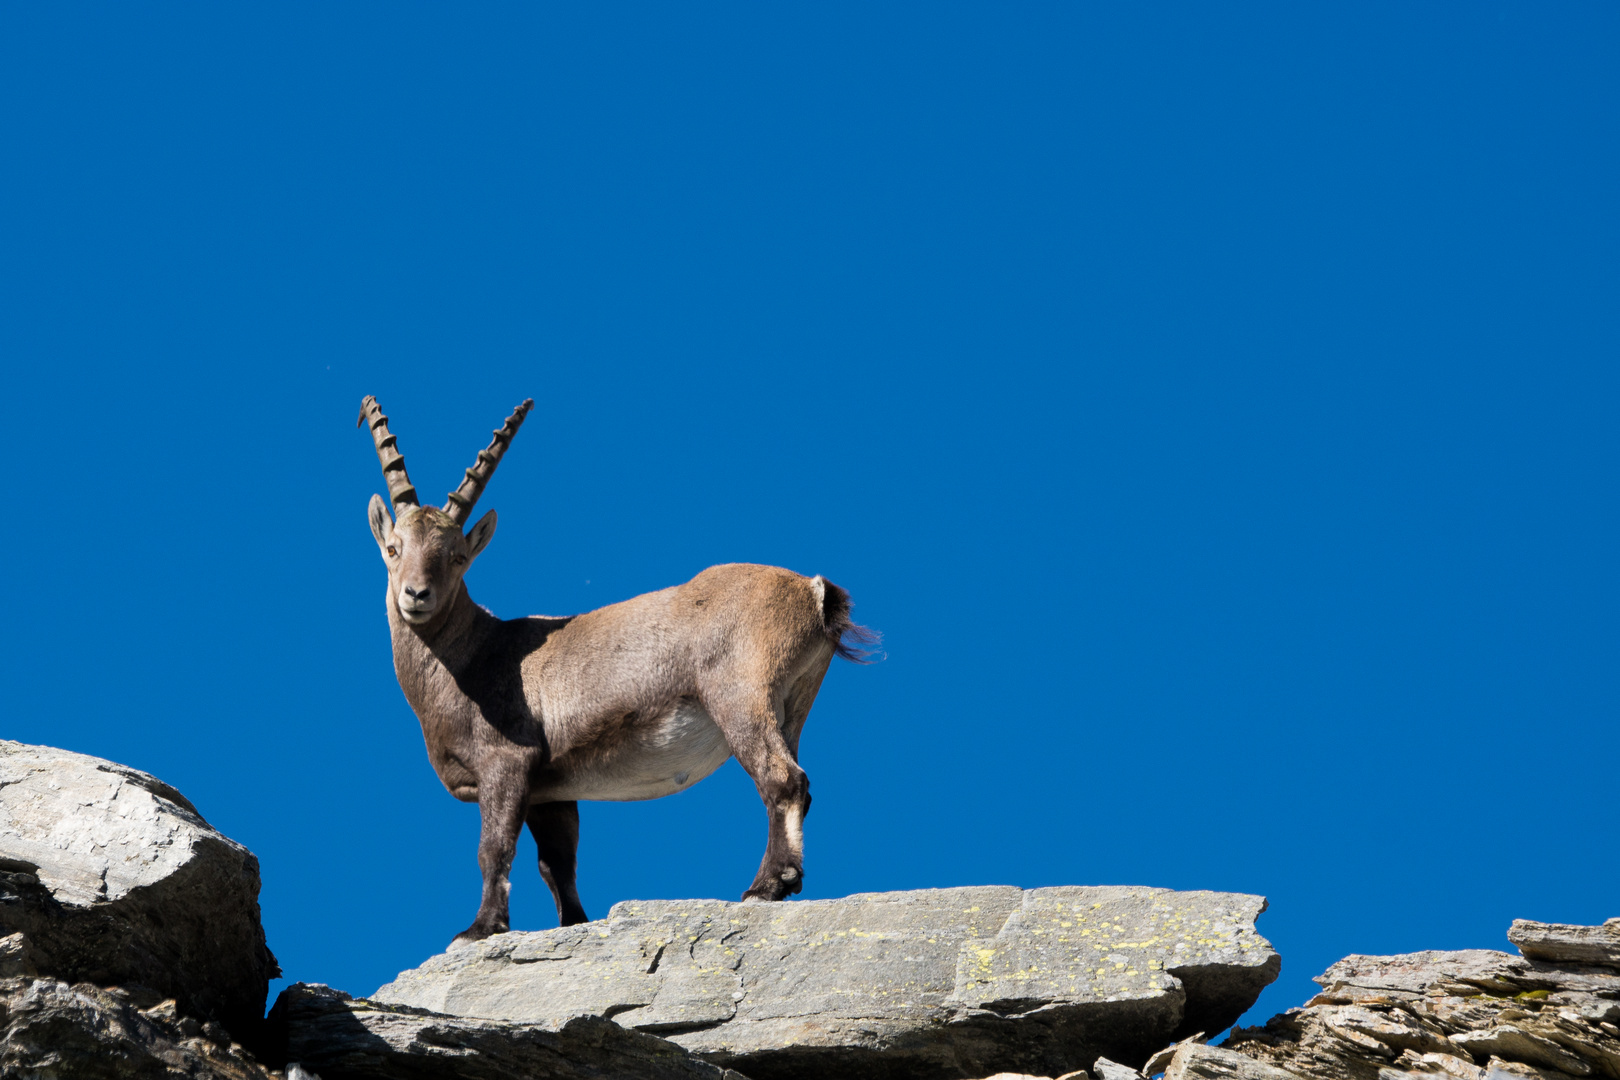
x=933 y=983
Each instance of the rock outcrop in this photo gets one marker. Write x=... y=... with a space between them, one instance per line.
x=1552 y=1014
x=109 y=876
x=341 y=1038
x=1564 y=944
x=130 y=946
x=52 y=1029
x=933 y=983
x=1460 y=1014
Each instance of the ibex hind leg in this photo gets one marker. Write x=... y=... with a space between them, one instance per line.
x=801 y=695
x=555 y=827
x=753 y=729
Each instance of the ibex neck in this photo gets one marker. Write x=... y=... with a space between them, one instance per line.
x=448 y=640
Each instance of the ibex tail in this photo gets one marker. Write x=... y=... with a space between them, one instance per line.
x=849 y=638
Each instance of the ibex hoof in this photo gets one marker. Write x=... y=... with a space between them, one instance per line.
x=474 y=933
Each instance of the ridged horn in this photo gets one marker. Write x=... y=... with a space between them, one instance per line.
x=462 y=499
x=400 y=491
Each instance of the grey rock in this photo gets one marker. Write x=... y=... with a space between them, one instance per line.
x=1563 y=943
x=933 y=983
x=1500 y=1069
x=1103 y=1069
x=342 y=1038
x=1592 y=1009
x=85 y=1032
x=1432 y=1066
x=1463 y=973
x=1514 y=1043
x=1195 y=1061
x=1342 y=1042
x=1157 y=1063
x=1466 y=1015
x=109 y=876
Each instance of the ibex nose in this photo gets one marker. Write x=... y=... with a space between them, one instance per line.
x=418 y=594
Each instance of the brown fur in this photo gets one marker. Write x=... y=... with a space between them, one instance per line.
x=631 y=701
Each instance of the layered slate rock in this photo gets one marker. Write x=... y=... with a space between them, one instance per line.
x=1195 y=1061
x=110 y=876
x=1562 y=943
x=341 y=1038
x=934 y=983
x=51 y=1029
x=1468 y=1015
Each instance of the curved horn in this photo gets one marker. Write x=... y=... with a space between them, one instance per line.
x=462 y=499
x=400 y=491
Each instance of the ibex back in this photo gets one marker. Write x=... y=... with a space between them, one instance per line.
x=632 y=701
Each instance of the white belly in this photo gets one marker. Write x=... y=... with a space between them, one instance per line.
x=667 y=754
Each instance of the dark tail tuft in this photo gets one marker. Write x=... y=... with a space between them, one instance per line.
x=849 y=639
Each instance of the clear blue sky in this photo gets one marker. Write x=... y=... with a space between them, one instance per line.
x=1213 y=406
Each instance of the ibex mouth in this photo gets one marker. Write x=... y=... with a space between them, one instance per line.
x=414 y=612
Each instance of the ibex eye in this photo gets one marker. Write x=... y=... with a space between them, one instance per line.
x=391 y=551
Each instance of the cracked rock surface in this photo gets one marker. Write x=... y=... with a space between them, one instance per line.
x=1475 y=1014
x=341 y=1038
x=110 y=876
x=51 y=1029
x=931 y=983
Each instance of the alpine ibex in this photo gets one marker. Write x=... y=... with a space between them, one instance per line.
x=635 y=700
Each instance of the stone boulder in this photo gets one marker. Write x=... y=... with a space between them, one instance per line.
x=51 y=1029
x=1466 y=1015
x=109 y=876
x=961 y=982
x=340 y=1038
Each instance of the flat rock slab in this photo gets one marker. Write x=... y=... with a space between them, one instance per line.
x=110 y=876
x=1462 y=973
x=932 y=983
x=341 y=1038
x=1562 y=943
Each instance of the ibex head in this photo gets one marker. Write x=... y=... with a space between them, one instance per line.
x=423 y=546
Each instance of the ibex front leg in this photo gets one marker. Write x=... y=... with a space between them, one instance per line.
x=503 y=799
x=754 y=731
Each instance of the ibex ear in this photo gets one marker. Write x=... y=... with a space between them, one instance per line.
x=479 y=535
x=382 y=526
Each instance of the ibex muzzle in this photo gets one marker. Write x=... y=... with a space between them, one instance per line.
x=636 y=700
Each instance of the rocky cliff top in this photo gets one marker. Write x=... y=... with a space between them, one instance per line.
x=130 y=946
